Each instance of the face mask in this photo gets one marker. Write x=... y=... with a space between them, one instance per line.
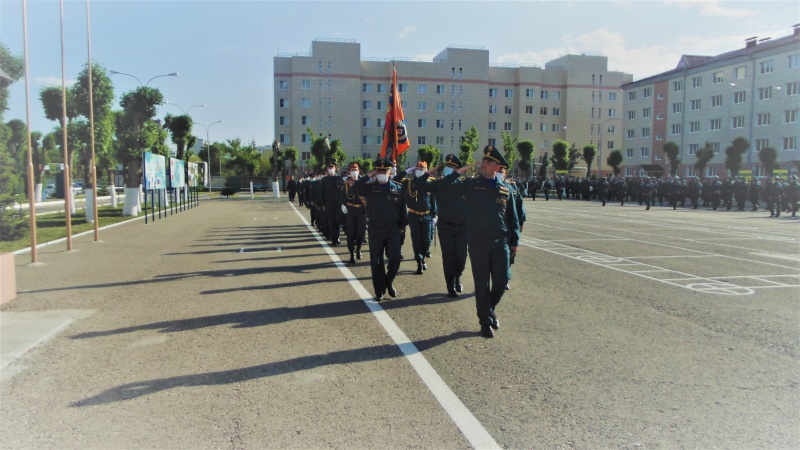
x=354 y=174
x=331 y=171
x=394 y=170
x=382 y=178
x=418 y=173
x=447 y=171
x=498 y=176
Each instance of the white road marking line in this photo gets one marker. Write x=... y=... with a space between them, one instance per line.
x=777 y=255
x=469 y=425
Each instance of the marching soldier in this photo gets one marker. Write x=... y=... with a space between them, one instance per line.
x=546 y=188
x=493 y=233
x=355 y=215
x=331 y=188
x=421 y=212
x=793 y=194
x=387 y=216
x=451 y=224
x=753 y=192
x=774 y=192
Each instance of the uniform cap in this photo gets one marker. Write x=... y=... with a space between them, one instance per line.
x=353 y=165
x=453 y=161
x=422 y=165
x=383 y=164
x=492 y=154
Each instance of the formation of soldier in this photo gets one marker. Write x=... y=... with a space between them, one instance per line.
x=776 y=194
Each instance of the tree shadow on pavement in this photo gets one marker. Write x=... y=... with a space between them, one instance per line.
x=133 y=390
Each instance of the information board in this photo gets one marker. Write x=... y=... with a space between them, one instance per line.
x=154 y=171
x=177 y=178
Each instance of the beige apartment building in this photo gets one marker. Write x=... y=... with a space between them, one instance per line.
x=752 y=92
x=336 y=92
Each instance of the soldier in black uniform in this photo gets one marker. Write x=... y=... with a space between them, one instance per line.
x=774 y=196
x=387 y=216
x=533 y=186
x=493 y=233
x=291 y=186
x=753 y=192
x=546 y=188
x=451 y=225
x=793 y=194
x=421 y=212
x=695 y=189
x=331 y=190
x=648 y=192
x=355 y=215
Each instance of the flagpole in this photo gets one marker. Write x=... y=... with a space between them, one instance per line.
x=31 y=193
x=91 y=126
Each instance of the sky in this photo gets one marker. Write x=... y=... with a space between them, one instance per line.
x=223 y=50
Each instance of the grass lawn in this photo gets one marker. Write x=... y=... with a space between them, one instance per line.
x=50 y=227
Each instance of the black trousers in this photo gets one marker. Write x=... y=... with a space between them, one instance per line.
x=355 y=227
x=332 y=222
x=453 y=242
x=491 y=270
x=420 y=229
x=383 y=240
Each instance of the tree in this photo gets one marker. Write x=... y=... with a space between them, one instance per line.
x=133 y=133
x=14 y=67
x=509 y=150
x=102 y=97
x=589 y=152
x=768 y=157
x=672 y=151
x=526 y=150
x=543 y=166
x=13 y=223
x=559 y=158
x=704 y=155
x=430 y=154
x=467 y=146
x=733 y=160
x=572 y=158
x=180 y=129
x=615 y=160
x=291 y=154
x=243 y=159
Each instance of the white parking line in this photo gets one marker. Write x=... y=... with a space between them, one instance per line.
x=469 y=425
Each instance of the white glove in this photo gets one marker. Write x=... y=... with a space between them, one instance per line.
x=435 y=219
x=344 y=209
x=410 y=170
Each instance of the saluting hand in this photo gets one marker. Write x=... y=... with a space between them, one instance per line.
x=436 y=169
x=464 y=169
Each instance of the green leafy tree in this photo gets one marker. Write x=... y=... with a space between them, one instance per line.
x=14 y=67
x=615 y=160
x=13 y=224
x=102 y=98
x=291 y=154
x=136 y=131
x=573 y=155
x=366 y=164
x=180 y=130
x=733 y=160
x=589 y=152
x=468 y=145
x=559 y=158
x=509 y=149
x=430 y=154
x=672 y=150
x=245 y=160
x=526 y=150
x=768 y=157
x=703 y=155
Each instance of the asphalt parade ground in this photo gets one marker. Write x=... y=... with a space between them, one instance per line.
x=234 y=325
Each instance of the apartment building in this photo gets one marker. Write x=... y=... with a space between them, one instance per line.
x=336 y=92
x=752 y=92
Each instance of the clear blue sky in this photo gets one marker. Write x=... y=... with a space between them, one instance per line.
x=224 y=50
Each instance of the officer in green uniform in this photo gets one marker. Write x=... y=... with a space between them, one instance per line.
x=451 y=224
x=493 y=233
x=354 y=213
x=387 y=216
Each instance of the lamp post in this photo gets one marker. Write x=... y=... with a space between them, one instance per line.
x=208 y=149
x=185 y=111
x=173 y=74
x=276 y=146
x=600 y=147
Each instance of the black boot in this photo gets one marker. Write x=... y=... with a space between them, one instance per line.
x=352 y=258
x=419 y=268
x=459 y=286
x=358 y=253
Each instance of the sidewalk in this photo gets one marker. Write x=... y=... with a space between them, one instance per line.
x=225 y=325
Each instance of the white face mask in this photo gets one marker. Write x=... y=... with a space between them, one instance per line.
x=418 y=173
x=354 y=174
x=382 y=178
x=498 y=176
x=331 y=171
x=447 y=171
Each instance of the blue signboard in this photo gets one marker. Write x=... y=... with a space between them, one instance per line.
x=154 y=171
x=177 y=178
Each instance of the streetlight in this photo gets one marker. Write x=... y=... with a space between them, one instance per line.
x=208 y=149
x=276 y=146
x=173 y=74
x=600 y=147
x=185 y=111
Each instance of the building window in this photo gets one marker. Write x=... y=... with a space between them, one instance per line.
x=632 y=95
x=717 y=77
x=306 y=102
x=556 y=111
x=711 y=171
x=631 y=115
x=761 y=143
x=660 y=116
x=282 y=120
x=554 y=127
x=793 y=88
x=283 y=103
x=509 y=93
x=421 y=140
x=660 y=96
x=658 y=157
x=677 y=107
x=366 y=122
x=790 y=116
x=739 y=97
x=629 y=134
x=439 y=123
x=422 y=123
x=697 y=82
x=492 y=92
x=422 y=106
x=304 y=138
x=492 y=126
x=402 y=88
x=677 y=86
x=646 y=93
x=422 y=89
x=379 y=105
x=492 y=109
x=529 y=109
x=737 y=122
x=676 y=128
x=645 y=132
x=629 y=171
x=740 y=72
x=695 y=104
x=629 y=153
x=507 y=126
x=716 y=101
x=764 y=93
x=644 y=152
x=508 y=110
x=543 y=111
x=543 y=95
x=440 y=106
x=529 y=93
x=715 y=124
x=440 y=89
x=557 y=95
x=694 y=127
x=763 y=119
x=766 y=66
x=366 y=140
x=366 y=104
x=439 y=140
x=528 y=126
x=283 y=138
x=379 y=123
x=283 y=85
x=543 y=127
x=381 y=87
x=790 y=143
x=693 y=149
x=366 y=88
x=304 y=120
x=645 y=112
